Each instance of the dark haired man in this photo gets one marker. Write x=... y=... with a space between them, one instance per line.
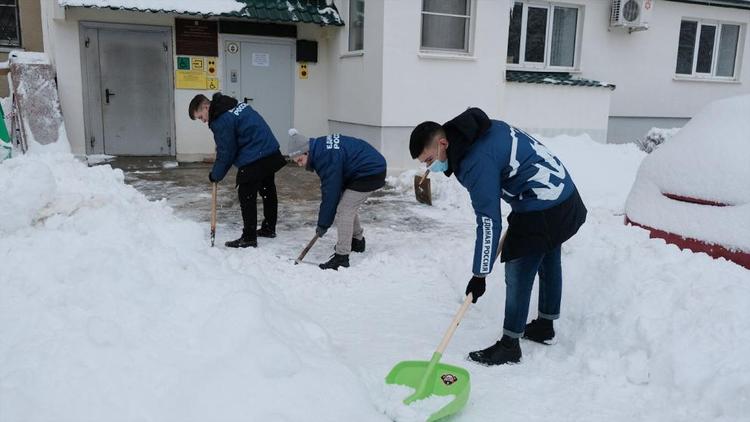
x=494 y=160
x=244 y=139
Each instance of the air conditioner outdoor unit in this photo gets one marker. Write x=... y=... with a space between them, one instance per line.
x=631 y=14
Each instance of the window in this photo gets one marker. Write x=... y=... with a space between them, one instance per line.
x=356 y=25
x=10 y=28
x=543 y=35
x=446 y=25
x=708 y=49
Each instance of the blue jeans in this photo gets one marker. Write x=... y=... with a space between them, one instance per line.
x=519 y=279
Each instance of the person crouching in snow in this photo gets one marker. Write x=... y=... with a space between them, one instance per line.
x=244 y=139
x=350 y=170
x=492 y=159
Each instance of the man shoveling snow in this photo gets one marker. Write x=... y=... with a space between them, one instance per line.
x=243 y=138
x=350 y=170
x=492 y=159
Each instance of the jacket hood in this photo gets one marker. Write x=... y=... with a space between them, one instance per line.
x=462 y=131
x=219 y=104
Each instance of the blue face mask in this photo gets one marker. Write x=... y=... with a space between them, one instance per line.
x=439 y=166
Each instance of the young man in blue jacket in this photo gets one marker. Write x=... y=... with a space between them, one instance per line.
x=494 y=160
x=243 y=139
x=350 y=170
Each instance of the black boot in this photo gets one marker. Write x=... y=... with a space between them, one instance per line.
x=358 y=245
x=507 y=350
x=266 y=231
x=243 y=242
x=540 y=330
x=335 y=262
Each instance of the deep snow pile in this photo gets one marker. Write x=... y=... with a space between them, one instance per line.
x=111 y=308
x=707 y=160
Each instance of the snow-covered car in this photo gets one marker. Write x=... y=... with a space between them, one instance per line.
x=694 y=190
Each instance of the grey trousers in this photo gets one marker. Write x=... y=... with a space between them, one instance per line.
x=347 y=220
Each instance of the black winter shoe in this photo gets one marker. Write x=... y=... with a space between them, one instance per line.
x=266 y=232
x=507 y=350
x=242 y=242
x=335 y=262
x=358 y=245
x=540 y=330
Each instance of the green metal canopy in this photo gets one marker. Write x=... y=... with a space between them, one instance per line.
x=553 y=78
x=320 y=12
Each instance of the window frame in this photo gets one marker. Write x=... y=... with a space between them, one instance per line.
x=468 y=50
x=545 y=66
x=719 y=25
x=18 y=44
x=349 y=51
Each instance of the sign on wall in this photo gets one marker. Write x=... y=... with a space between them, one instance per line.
x=196 y=72
x=195 y=37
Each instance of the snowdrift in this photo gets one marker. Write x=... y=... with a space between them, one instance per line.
x=694 y=190
x=113 y=309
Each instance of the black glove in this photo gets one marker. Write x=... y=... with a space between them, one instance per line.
x=320 y=231
x=476 y=287
x=211 y=178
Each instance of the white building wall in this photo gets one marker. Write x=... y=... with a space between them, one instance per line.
x=356 y=80
x=642 y=64
x=555 y=110
x=194 y=140
x=381 y=94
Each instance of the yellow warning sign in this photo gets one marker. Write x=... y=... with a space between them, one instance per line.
x=302 y=71
x=195 y=72
x=190 y=79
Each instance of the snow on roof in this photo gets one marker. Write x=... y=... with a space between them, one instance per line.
x=212 y=7
x=321 y=12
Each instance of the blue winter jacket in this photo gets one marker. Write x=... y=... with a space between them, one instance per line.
x=505 y=162
x=339 y=160
x=242 y=137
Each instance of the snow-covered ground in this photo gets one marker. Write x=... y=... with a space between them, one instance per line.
x=114 y=308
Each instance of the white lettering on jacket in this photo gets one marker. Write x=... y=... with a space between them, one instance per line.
x=486 y=255
x=332 y=141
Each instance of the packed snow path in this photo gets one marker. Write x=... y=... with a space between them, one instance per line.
x=113 y=308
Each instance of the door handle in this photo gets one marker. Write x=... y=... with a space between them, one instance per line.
x=247 y=100
x=108 y=94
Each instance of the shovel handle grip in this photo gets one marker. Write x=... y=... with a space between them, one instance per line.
x=307 y=249
x=213 y=207
x=423 y=177
x=454 y=324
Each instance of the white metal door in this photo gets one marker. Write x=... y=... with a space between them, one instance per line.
x=261 y=74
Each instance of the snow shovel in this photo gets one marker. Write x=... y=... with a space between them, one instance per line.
x=306 y=250
x=422 y=188
x=435 y=378
x=213 y=213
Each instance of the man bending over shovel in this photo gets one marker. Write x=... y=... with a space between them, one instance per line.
x=350 y=170
x=244 y=139
x=492 y=159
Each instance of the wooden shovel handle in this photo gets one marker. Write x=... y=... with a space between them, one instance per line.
x=307 y=249
x=423 y=177
x=213 y=206
x=462 y=310
x=454 y=324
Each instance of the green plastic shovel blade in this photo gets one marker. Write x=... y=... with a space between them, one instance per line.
x=433 y=378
